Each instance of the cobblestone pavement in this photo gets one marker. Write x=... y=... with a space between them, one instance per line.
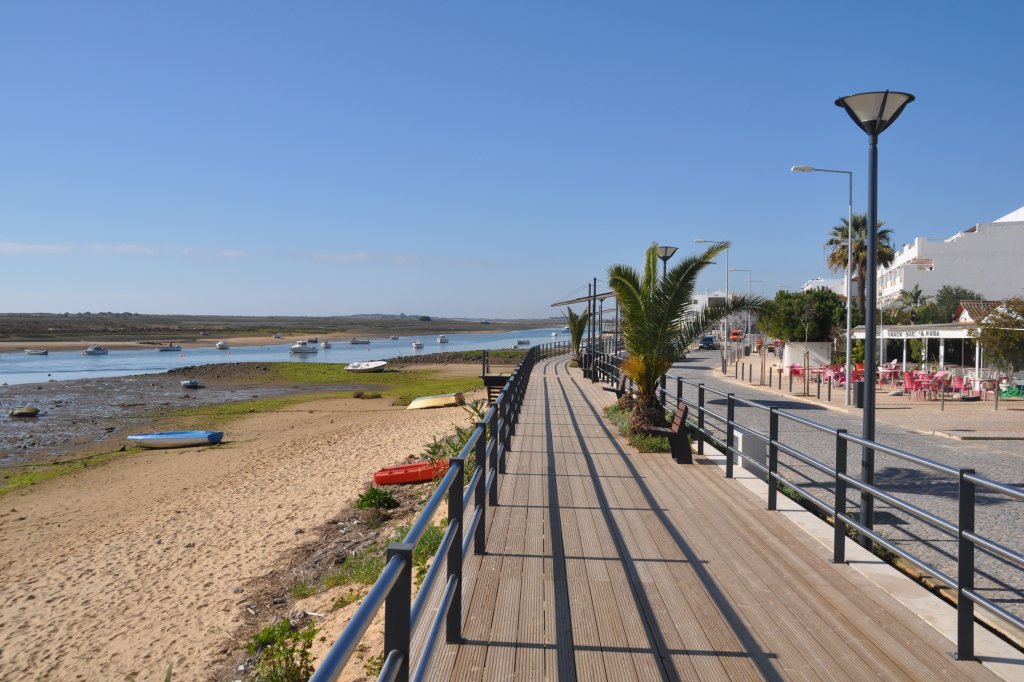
x=924 y=428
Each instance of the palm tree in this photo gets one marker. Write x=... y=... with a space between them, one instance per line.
x=658 y=322
x=835 y=248
x=577 y=325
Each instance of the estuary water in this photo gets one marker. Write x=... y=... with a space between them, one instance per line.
x=19 y=368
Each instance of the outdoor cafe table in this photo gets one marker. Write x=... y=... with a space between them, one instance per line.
x=887 y=375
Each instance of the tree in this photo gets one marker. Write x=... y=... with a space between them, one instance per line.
x=948 y=298
x=658 y=322
x=808 y=315
x=836 y=250
x=1002 y=335
x=577 y=325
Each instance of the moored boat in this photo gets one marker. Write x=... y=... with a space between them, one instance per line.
x=367 y=367
x=441 y=338
x=523 y=342
x=360 y=341
x=303 y=347
x=412 y=472
x=443 y=400
x=191 y=383
x=417 y=344
x=325 y=344
x=221 y=345
x=36 y=351
x=176 y=439
x=169 y=347
x=394 y=338
x=95 y=350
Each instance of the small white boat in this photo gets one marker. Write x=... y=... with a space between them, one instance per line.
x=33 y=351
x=221 y=345
x=361 y=341
x=441 y=338
x=303 y=347
x=176 y=439
x=325 y=344
x=554 y=333
x=444 y=400
x=169 y=347
x=417 y=344
x=366 y=367
x=95 y=350
x=191 y=383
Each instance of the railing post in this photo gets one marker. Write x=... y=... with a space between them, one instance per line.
x=506 y=442
x=965 y=570
x=480 y=497
x=495 y=458
x=679 y=391
x=773 y=458
x=397 y=608
x=830 y=390
x=700 y=419
x=790 y=380
x=456 y=515
x=839 y=530
x=729 y=434
x=662 y=396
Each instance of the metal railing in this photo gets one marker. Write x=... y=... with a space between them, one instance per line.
x=487 y=447
x=969 y=541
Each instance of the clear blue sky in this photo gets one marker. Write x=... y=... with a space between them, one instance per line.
x=473 y=158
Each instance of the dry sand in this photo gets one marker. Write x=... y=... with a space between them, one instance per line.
x=125 y=568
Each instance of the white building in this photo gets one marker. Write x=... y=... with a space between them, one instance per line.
x=837 y=286
x=985 y=258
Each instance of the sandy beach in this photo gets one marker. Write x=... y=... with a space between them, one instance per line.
x=127 y=567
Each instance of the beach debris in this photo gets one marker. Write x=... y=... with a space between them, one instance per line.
x=24 y=412
x=299 y=531
x=238 y=589
x=280 y=600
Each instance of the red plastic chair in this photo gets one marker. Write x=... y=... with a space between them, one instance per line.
x=910 y=385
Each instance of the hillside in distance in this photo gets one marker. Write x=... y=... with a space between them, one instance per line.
x=114 y=326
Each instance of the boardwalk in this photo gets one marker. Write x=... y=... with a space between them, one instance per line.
x=607 y=565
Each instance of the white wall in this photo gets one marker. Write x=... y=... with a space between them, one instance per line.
x=986 y=258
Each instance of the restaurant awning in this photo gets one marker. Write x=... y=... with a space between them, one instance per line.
x=920 y=331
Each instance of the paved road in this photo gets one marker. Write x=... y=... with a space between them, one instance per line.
x=998 y=517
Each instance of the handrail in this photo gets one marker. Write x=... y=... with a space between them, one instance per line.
x=487 y=446
x=968 y=538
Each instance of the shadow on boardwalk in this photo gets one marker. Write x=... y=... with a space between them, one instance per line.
x=606 y=564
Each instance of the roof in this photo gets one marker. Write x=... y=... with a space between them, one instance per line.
x=974 y=311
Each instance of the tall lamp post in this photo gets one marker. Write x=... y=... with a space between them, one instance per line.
x=664 y=253
x=749 y=275
x=725 y=363
x=873 y=112
x=849 y=267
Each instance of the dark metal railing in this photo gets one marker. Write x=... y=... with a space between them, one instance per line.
x=487 y=447
x=969 y=540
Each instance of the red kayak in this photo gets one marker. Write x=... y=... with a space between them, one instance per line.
x=413 y=472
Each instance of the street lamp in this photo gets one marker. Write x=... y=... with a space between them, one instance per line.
x=749 y=275
x=849 y=267
x=725 y=340
x=664 y=253
x=873 y=112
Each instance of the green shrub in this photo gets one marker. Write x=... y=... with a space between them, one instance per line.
x=363 y=568
x=376 y=498
x=350 y=597
x=302 y=589
x=644 y=442
x=283 y=652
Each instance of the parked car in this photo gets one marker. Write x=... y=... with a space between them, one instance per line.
x=707 y=343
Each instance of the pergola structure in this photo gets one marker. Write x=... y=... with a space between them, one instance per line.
x=942 y=332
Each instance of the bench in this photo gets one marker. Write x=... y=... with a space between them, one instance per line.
x=677 y=436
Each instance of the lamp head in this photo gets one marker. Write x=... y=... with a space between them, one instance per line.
x=666 y=252
x=873 y=112
x=802 y=169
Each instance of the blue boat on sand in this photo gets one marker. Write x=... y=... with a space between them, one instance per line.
x=176 y=439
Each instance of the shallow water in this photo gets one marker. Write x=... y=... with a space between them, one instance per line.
x=19 y=368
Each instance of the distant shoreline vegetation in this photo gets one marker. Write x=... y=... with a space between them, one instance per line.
x=107 y=326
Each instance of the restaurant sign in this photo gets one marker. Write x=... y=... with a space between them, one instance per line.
x=924 y=333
